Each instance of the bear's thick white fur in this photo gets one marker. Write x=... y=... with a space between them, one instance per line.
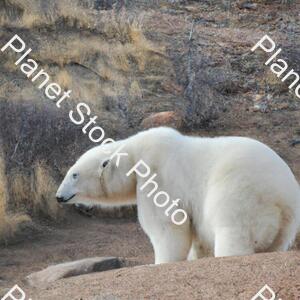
x=240 y=196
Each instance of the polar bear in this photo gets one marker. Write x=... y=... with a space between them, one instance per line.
x=239 y=195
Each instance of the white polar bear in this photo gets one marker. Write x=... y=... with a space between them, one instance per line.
x=240 y=196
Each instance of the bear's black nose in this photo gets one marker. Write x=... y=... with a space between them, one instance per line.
x=60 y=199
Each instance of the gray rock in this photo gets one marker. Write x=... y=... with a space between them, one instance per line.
x=73 y=268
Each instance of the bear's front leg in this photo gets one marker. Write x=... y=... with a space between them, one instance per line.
x=171 y=244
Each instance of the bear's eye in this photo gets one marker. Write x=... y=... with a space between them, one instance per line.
x=75 y=175
x=105 y=163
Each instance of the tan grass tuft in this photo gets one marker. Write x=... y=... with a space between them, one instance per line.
x=64 y=79
x=9 y=223
x=44 y=192
x=36 y=192
x=135 y=89
x=30 y=20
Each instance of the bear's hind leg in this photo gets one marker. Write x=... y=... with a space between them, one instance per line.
x=232 y=241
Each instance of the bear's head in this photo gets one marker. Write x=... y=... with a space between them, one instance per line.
x=99 y=177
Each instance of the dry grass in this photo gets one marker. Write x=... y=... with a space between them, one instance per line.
x=118 y=35
x=64 y=79
x=36 y=193
x=33 y=13
x=110 y=49
x=44 y=191
x=117 y=49
x=9 y=223
x=135 y=89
